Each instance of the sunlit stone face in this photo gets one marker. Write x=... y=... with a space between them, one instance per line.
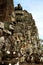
x=9 y=63
x=14 y=52
x=8 y=52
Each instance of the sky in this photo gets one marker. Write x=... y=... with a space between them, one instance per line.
x=36 y=8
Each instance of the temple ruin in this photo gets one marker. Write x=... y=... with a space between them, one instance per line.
x=19 y=38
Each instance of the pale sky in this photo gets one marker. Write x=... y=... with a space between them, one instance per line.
x=36 y=8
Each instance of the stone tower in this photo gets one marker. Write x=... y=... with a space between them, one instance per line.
x=6 y=10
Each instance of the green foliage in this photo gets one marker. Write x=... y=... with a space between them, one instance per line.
x=6 y=25
x=41 y=47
